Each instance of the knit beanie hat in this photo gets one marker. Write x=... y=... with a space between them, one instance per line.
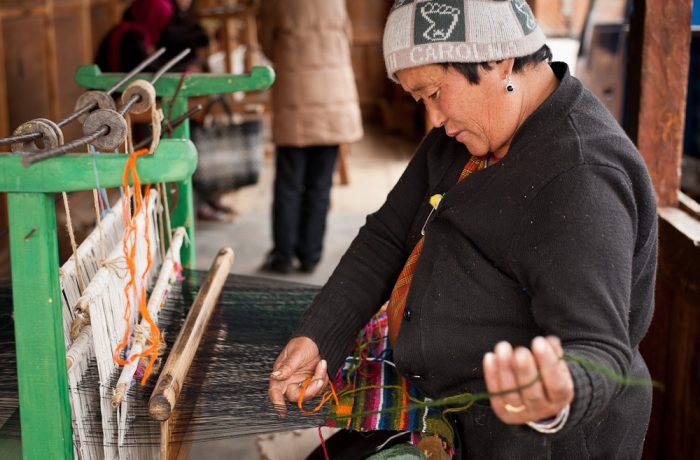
x=420 y=32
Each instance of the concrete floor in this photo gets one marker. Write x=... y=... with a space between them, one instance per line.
x=375 y=164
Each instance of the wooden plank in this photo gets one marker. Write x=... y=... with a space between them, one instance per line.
x=655 y=350
x=67 y=5
x=664 y=78
x=25 y=69
x=69 y=26
x=671 y=347
x=679 y=253
x=102 y=19
x=261 y=78
x=51 y=57
x=368 y=18
x=689 y=205
x=88 y=51
x=4 y=116
x=174 y=160
x=674 y=333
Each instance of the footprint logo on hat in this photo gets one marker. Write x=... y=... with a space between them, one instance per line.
x=442 y=20
x=525 y=16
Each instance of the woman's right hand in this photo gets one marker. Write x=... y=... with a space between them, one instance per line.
x=299 y=359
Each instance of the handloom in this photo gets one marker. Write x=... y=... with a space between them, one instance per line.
x=75 y=396
x=225 y=392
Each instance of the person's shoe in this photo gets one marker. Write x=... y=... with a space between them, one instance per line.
x=207 y=212
x=222 y=208
x=275 y=265
x=307 y=267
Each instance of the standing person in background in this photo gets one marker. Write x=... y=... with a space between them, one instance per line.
x=315 y=108
x=135 y=38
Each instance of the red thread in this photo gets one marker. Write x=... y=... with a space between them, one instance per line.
x=323 y=444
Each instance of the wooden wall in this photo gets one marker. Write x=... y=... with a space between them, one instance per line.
x=561 y=18
x=43 y=41
x=368 y=17
x=383 y=102
x=672 y=345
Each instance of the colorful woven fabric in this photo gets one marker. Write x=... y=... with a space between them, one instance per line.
x=397 y=302
x=374 y=396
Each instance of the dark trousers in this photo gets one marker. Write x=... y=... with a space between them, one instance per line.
x=303 y=180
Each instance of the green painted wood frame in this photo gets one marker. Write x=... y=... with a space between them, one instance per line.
x=41 y=353
x=41 y=365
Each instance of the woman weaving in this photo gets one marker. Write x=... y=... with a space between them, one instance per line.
x=543 y=244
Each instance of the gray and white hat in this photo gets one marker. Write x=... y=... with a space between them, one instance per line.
x=420 y=32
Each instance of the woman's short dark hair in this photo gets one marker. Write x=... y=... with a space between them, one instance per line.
x=471 y=69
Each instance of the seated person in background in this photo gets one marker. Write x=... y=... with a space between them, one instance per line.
x=182 y=32
x=135 y=38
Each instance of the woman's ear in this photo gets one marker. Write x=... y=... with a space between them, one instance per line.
x=504 y=67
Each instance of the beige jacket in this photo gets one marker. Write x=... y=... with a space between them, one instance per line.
x=315 y=99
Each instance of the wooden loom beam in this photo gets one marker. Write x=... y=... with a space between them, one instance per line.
x=167 y=390
x=172 y=377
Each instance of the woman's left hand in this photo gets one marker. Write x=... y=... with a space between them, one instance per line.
x=506 y=369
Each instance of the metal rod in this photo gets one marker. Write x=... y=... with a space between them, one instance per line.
x=138 y=69
x=116 y=86
x=88 y=108
x=167 y=66
x=36 y=157
x=104 y=130
x=170 y=125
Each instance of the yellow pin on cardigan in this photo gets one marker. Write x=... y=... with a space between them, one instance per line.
x=434 y=202
x=436 y=199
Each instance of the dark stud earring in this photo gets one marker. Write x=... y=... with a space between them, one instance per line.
x=509 y=85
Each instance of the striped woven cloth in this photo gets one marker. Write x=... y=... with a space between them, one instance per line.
x=374 y=396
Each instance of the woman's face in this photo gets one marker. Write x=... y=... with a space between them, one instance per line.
x=483 y=117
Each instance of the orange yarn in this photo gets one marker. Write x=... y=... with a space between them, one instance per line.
x=129 y=244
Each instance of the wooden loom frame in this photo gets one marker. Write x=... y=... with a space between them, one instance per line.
x=41 y=363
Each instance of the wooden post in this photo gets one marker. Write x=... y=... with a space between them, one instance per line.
x=228 y=49
x=86 y=22
x=52 y=61
x=172 y=377
x=343 y=153
x=252 y=57
x=663 y=83
x=4 y=117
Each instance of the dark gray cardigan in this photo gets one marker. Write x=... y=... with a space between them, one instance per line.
x=558 y=238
